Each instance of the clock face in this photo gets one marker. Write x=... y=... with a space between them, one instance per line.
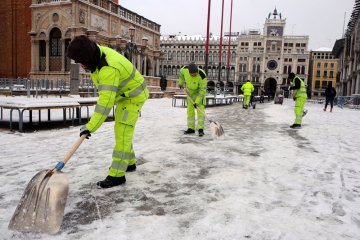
x=272 y=65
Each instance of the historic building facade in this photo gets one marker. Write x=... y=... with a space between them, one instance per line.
x=55 y=22
x=347 y=50
x=265 y=59
x=323 y=69
x=181 y=50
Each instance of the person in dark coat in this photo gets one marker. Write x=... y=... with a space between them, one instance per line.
x=163 y=83
x=330 y=94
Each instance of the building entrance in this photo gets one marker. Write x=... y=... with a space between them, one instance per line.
x=270 y=87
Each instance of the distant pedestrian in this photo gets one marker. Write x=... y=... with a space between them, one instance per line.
x=163 y=83
x=247 y=90
x=299 y=96
x=262 y=95
x=196 y=81
x=330 y=94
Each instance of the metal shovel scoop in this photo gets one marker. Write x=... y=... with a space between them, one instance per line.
x=41 y=208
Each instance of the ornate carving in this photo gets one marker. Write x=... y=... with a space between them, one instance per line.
x=55 y=17
x=82 y=15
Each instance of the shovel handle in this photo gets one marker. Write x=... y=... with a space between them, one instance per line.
x=74 y=148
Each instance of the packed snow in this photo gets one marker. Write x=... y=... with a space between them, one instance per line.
x=263 y=180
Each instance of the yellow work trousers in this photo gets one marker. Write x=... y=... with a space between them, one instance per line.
x=298 y=109
x=126 y=117
x=191 y=115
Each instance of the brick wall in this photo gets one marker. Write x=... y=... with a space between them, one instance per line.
x=15 y=50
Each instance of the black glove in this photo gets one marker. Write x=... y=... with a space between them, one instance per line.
x=84 y=130
x=196 y=105
x=294 y=98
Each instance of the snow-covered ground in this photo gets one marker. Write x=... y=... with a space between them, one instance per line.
x=262 y=181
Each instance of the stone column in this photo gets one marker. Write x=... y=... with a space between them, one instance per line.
x=63 y=55
x=144 y=67
x=352 y=89
x=157 y=72
x=138 y=63
x=348 y=87
x=34 y=55
x=47 y=55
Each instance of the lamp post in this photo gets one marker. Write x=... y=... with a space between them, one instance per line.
x=131 y=45
x=144 y=42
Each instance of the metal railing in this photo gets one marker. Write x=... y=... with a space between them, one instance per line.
x=348 y=101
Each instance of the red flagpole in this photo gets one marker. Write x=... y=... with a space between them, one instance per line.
x=207 y=39
x=221 y=33
x=229 y=39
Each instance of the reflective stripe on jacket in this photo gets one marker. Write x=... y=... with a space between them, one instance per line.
x=117 y=80
x=302 y=91
x=196 y=86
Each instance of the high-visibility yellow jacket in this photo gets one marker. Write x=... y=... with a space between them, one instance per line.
x=247 y=88
x=301 y=92
x=196 y=86
x=117 y=80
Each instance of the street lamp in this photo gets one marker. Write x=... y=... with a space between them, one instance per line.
x=130 y=46
x=144 y=42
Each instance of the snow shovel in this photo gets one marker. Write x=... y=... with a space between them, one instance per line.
x=215 y=127
x=41 y=208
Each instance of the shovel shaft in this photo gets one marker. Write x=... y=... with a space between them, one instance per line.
x=74 y=148
x=197 y=109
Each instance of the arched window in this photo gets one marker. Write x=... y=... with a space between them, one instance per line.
x=303 y=70
x=182 y=56
x=42 y=55
x=196 y=56
x=233 y=56
x=55 y=50
x=178 y=57
x=215 y=57
x=192 y=56
x=187 y=56
x=210 y=56
x=201 y=56
x=298 y=70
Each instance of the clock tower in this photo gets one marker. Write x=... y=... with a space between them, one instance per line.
x=273 y=38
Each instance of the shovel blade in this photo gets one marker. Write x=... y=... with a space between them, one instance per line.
x=41 y=208
x=216 y=130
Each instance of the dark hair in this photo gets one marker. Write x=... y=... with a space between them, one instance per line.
x=85 y=51
x=192 y=68
x=291 y=75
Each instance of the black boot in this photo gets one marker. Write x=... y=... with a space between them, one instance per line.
x=131 y=168
x=189 y=131
x=201 y=132
x=110 y=181
x=295 y=126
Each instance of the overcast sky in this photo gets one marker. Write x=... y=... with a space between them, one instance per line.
x=321 y=20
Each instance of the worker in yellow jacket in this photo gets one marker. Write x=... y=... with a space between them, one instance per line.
x=300 y=96
x=119 y=84
x=247 y=89
x=196 y=82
